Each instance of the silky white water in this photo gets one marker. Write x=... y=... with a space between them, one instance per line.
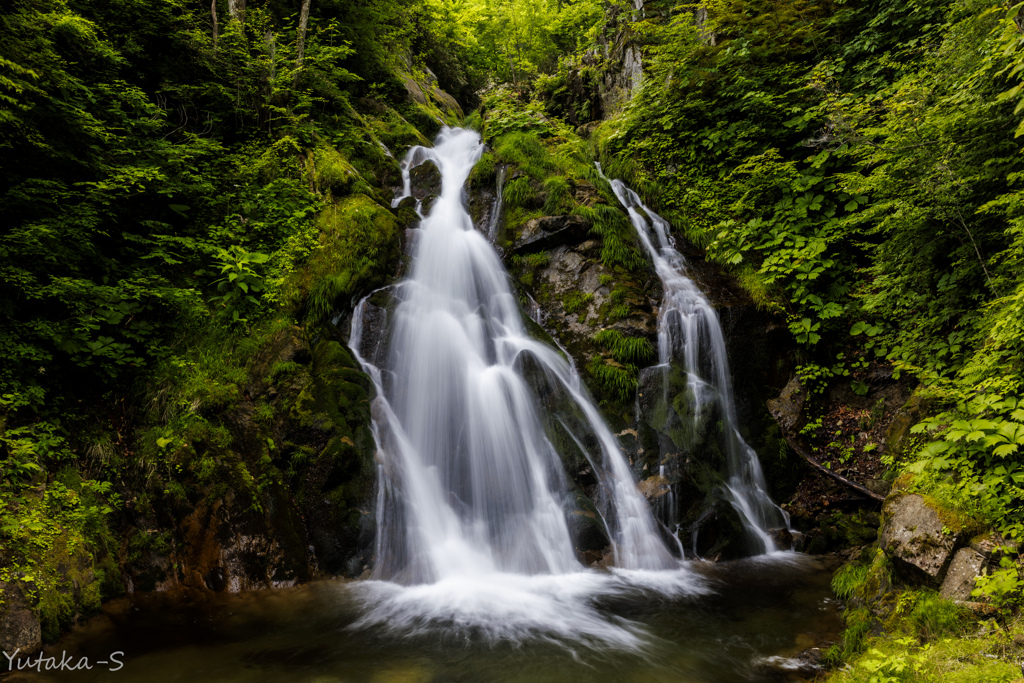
x=472 y=497
x=689 y=331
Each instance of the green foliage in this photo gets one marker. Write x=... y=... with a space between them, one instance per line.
x=513 y=42
x=636 y=351
x=977 y=443
x=239 y=282
x=613 y=379
x=617 y=236
x=1004 y=587
x=559 y=197
x=934 y=617
x=888 y=667
x=154 y=175
x=858 y=168
x=357 y=237
x=848 y=580
x=575 y=301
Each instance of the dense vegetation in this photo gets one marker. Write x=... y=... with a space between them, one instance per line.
x=857 y=167
x=174 y=191
x=177 y=187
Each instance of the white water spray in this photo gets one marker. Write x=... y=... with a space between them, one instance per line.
x=688 y=330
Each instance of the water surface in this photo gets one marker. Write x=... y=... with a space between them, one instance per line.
x=719 y=624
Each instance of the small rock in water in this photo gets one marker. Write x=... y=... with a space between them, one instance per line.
x=783 y=538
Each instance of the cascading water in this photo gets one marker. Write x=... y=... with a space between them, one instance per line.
x=481 y=488
x=472 y=496
x=499 y=200
x=688 y=330
x=472 y=521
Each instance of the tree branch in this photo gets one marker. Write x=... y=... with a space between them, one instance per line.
x=799 y=450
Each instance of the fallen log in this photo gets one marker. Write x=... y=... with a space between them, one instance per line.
x=799 y=450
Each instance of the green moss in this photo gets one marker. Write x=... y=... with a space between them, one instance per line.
x=395 y=132
x=358 y=237
x=526 y=151
x=575 y=301
x=484 y=172
x=558 y=198
x=332 y=172
x=71 y=589
x=929 y=643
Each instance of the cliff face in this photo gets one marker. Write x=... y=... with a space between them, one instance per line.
x=623 y=59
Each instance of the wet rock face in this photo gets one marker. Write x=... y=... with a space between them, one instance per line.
x=668 y=437
x=913 y=539
x=549 y=232
x=19 y=625
x=228 y=546
x=571 y=291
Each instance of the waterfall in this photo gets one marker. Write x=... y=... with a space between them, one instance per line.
x=689 y=331
x=492 y=231
x=469 y=484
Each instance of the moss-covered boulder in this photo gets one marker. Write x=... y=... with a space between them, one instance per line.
x=917 y=540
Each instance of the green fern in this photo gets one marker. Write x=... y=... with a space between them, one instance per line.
x=629 y=350
x=519 y=193
x=616 y=233
x=559 y=198
x=618 y=381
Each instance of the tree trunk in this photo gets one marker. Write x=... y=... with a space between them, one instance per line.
x=301 y=42
x=799 y=450
x=236 y=8
x=213 y=13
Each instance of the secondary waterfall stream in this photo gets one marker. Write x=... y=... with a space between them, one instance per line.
x=689 y=330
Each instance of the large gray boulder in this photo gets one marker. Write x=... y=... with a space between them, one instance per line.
x=967 y=565
x=914 y=539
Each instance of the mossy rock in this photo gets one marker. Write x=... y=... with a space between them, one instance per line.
x=335 y=489
x=359 y=247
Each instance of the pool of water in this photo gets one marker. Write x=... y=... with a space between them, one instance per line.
x=722 y=622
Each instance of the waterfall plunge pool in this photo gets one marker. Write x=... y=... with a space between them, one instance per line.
x=744 y=620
